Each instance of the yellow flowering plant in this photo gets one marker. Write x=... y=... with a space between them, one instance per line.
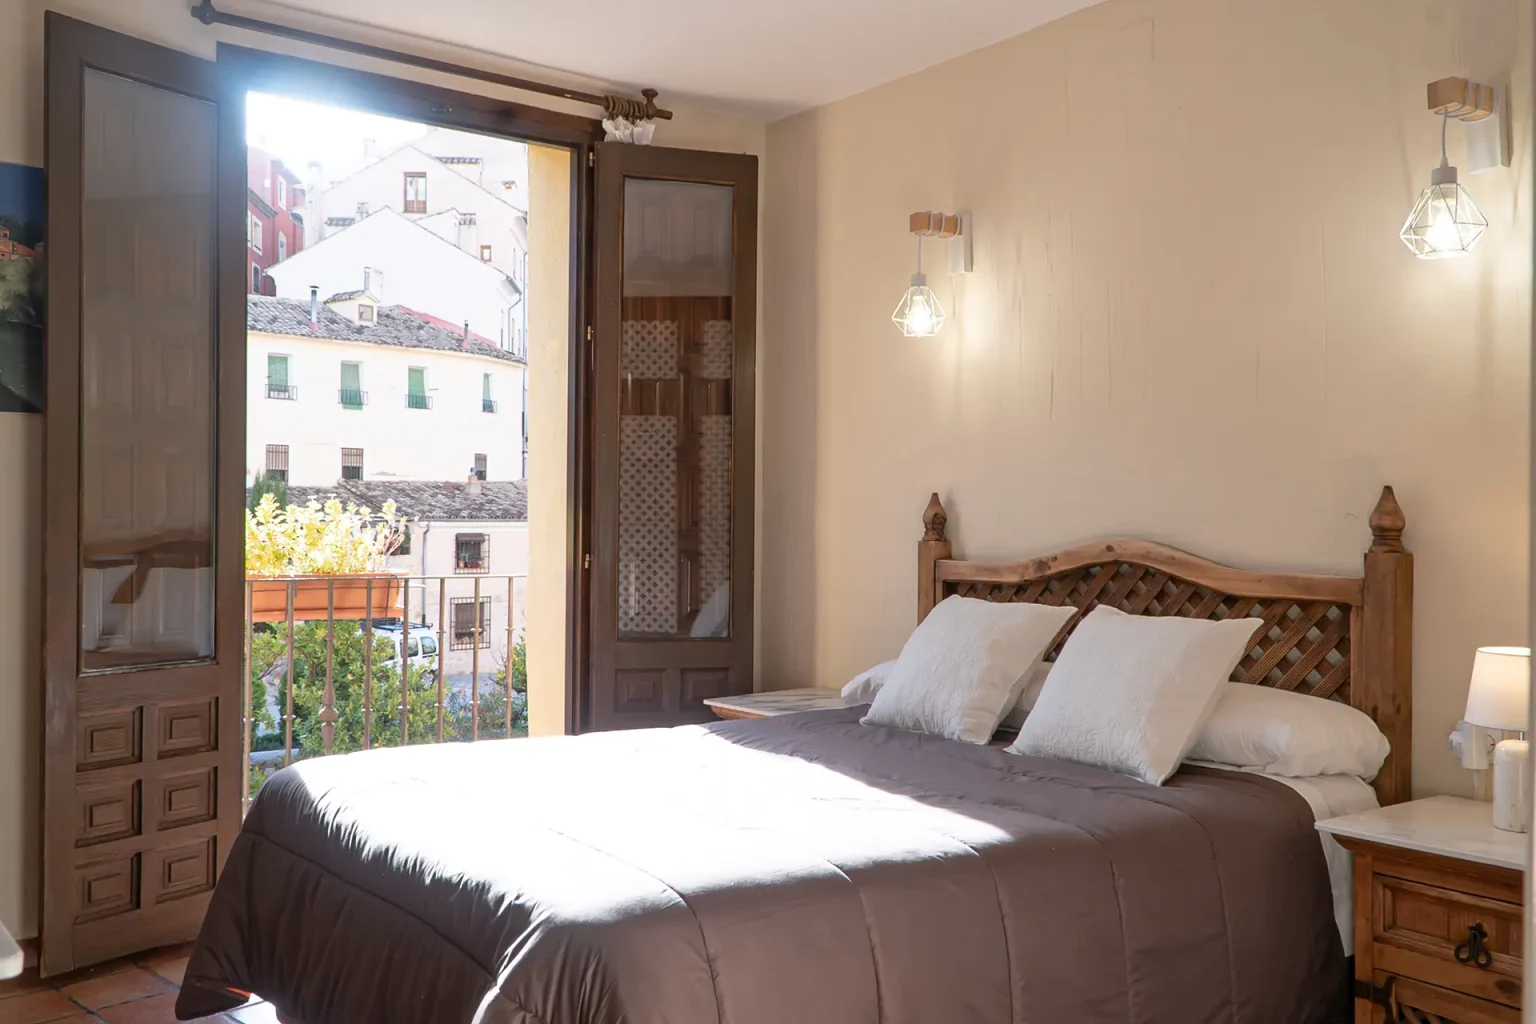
x=319 y=540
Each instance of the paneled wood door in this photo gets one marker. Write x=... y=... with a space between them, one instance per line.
x=675 y=307
x=144 y=491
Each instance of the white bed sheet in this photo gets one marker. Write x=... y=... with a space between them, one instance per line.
x=1329 y=796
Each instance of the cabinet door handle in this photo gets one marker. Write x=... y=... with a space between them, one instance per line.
x=1475 y=951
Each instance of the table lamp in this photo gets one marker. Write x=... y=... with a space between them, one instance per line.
x=1500 y=698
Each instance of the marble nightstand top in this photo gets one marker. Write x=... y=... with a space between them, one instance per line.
x=1446 y=825
x=779 y=702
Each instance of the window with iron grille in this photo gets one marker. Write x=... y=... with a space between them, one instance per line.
x=277 y=462
x=471 y=552
x=479 y=467
x=351 y=463
x=463 y=611
x=352 y=395
x=416 y=396
x=415 y=192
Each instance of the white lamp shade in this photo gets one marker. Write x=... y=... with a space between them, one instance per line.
x=1500 y=694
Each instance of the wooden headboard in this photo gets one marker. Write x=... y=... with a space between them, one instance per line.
x=1345 y=638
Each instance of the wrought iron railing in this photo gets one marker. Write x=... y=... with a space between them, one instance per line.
x=415 y=401
x=285 y=392
x=352 y=399
x=487 y=405
x=358 y=662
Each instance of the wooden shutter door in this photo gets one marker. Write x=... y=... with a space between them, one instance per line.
x=674 y=288
x=144 y=492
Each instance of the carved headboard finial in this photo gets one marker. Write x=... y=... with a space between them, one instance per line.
x=1387 y=523
x=934 y=519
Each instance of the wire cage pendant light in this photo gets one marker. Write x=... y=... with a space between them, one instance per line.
x=1445 y=222
x=919 y=314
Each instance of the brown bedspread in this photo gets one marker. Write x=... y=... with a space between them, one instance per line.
x=800 y=869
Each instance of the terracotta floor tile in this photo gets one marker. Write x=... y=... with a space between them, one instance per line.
x=26 y=981
x=119 y=987
x=36 y=1007
x=170 y=965
x=154 y=1010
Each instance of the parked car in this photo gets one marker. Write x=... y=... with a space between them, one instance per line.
x=423 y=648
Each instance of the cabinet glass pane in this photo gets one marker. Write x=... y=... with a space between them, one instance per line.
x=675 y=410
x=147 y=376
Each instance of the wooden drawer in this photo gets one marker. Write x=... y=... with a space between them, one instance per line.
x=1418 y=926
x=1413 y=1002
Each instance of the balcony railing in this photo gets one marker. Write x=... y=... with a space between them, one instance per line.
x=415 y=401
x=487 y=405
x=285 y=392
x=331 y=668
x=352 y=399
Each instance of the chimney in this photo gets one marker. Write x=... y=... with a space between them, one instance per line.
x=314 y=304
x=378 y=283
x=464 y=342
x=472 y=485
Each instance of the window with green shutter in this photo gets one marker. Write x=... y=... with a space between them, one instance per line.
x=416 y=389
x=487 y=403
x=277 y=378
x=352 y=396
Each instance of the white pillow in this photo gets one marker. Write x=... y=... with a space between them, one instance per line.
x=1130 y=692
x=1283 y=733
x=964 y=666
x=1014 y=719
x=861 y=689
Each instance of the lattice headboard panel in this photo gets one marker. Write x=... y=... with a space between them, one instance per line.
x=1344 y=638
x=1304 y=645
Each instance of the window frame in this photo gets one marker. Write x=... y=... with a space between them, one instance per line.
x=284 y=392
x=342 y=389
x=481 y=466
x=255 y=233
x=282 y=246
x=256 y=273
x=371 y=311
x=351 y=459
x=485 y=254
x=418 y=204
x=282 y=192
x=466 y=640
x=271 y=471
x=463 y=567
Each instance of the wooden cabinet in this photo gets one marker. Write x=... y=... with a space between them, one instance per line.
x=1438 y=940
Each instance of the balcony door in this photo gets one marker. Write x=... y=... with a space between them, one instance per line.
x=675 y=306
x=144 y=435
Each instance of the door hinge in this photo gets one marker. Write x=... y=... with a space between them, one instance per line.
x=590 y=332
x=586 y=562
x=1379 y=995
x=591 y=158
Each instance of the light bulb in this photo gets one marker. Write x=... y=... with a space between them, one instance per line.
x=1442 y=235
x=919 y=314
x=1445 y=222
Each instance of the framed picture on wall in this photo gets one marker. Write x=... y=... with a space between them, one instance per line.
x=21 y=288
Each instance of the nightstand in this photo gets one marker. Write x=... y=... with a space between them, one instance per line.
x=1439 y=906
x=775 y=702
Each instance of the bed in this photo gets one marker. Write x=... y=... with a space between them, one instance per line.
x=809 y=868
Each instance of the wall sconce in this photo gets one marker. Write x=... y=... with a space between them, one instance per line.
x=1445 y=222
x=919 y=314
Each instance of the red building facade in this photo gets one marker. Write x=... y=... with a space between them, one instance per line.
x=273 y=231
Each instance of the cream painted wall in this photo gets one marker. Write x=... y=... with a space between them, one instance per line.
x=1191 y=320
x=21 y=140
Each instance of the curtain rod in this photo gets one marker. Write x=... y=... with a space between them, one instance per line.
x=613 y=106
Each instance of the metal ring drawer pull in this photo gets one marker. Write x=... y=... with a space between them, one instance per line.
x=1473 y=951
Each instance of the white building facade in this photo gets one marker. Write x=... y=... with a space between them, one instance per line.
x=338 y=397
x=405 y=263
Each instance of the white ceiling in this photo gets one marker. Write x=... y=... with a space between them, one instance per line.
x=761 y=58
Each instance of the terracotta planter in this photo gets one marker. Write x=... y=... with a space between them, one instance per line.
x=313 y=595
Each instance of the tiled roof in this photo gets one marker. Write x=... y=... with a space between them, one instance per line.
x=457 y=159
x=344 y=296
x=420 y=500
x=340 y=222
x=395 y=326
